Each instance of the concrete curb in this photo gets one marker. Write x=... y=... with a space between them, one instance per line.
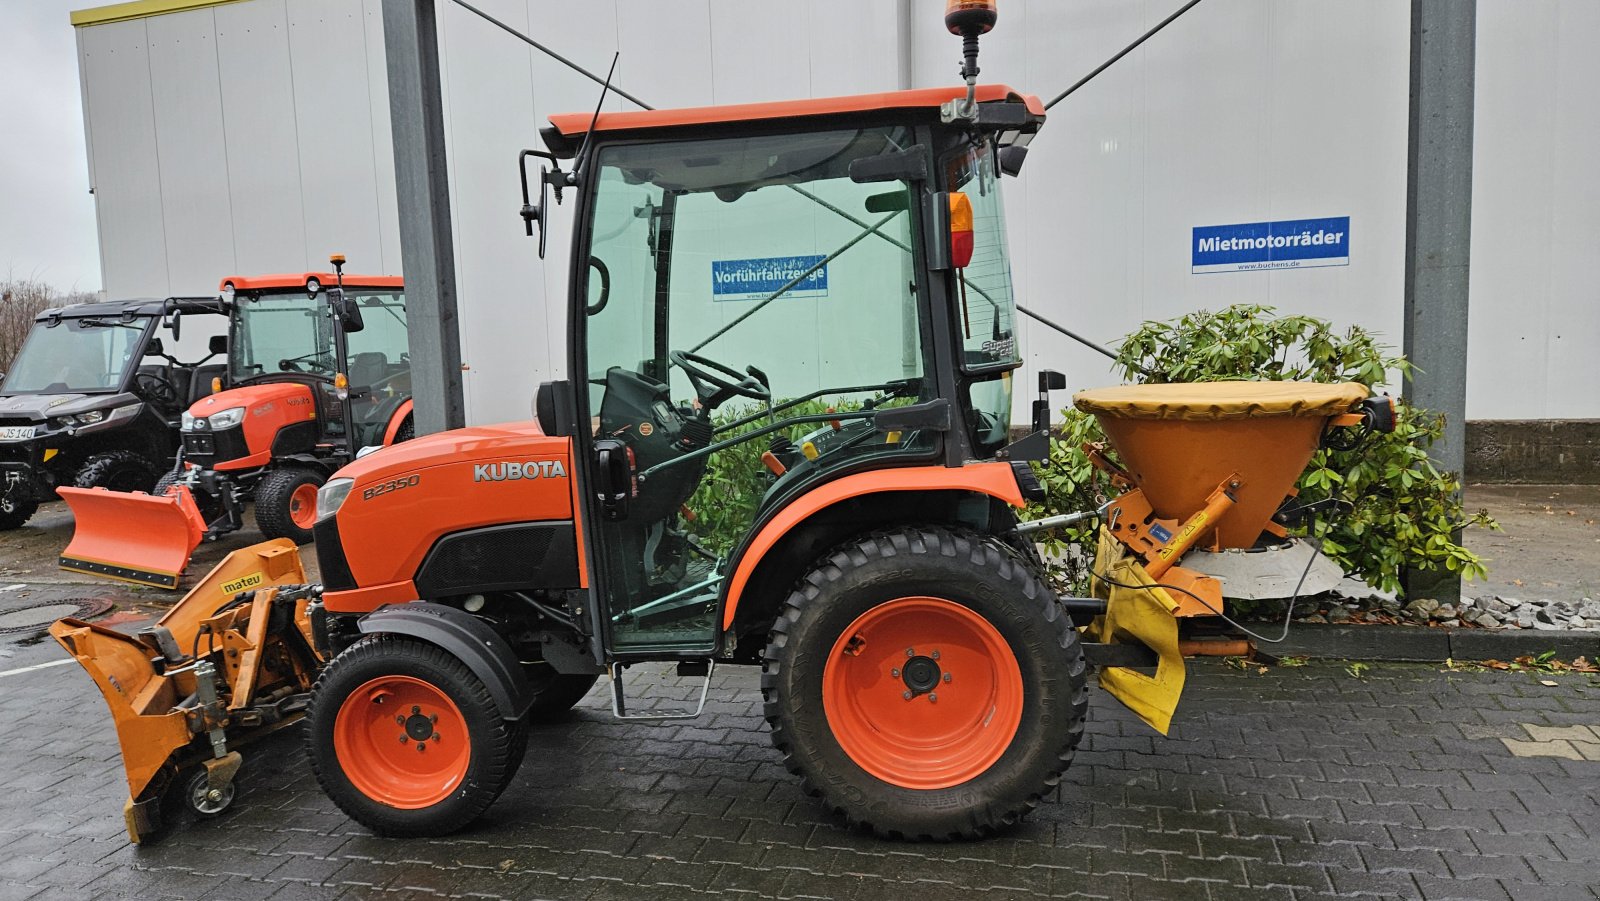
x=1426 y=645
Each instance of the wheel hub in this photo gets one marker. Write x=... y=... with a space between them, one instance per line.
x=418 y=726
x=920 y=674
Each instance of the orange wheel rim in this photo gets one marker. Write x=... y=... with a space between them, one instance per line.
x=402 y=742
x=922 y=693
x=303 y=506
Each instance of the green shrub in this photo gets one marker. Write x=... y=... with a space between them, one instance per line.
x=1404 y=514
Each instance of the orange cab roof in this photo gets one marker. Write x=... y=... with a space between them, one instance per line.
x=298 y=280
x=573 y=124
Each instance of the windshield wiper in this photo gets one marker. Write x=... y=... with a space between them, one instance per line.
x=101 y=323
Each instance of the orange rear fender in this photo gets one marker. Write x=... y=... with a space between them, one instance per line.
x=993 y=479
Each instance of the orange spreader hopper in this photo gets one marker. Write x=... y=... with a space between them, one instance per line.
x=132 y=536
x=1205 y=465
x=1179 y=443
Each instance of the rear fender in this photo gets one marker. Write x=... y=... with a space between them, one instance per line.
x=395 y=421
x=995 y=480
x=468 y=639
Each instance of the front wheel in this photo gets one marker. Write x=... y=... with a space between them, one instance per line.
x=16 y=508
x=286 y=503
x=925 y=684
x=406 y=740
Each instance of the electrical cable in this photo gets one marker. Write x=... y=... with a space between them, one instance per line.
x=1288 y=616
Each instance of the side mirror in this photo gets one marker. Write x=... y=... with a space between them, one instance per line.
x=349 y=314
x=1011 y=159
x=535 y=215
x=174 y=323
x=218 y=344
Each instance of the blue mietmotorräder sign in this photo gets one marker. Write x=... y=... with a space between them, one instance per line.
x=1290 y=244
x=759 y=278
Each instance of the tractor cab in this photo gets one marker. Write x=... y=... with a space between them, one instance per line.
x=760 y=310
x=284 y=331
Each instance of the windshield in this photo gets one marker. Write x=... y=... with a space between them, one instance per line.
x=76 y=355
x=290 y=332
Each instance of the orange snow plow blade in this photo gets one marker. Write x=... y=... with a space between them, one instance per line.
x=132 y=536
x=180 y=717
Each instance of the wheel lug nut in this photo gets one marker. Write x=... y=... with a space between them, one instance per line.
x=433 y=718
x=405 y=739
x=947 y=677
x=911 y=652
x=936 y=655
x=399 y=720
x=415 y=709
x=421 y=746
x=932 y=696
x=907 y=696
x=434 y=736
x=894 y=674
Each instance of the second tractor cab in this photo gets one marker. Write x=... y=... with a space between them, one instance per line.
x=94 y=396
x=318 y=368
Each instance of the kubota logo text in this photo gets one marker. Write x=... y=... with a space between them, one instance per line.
x=511 y=471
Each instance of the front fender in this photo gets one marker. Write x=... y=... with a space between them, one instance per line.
x=993 y=479
x=469 y=639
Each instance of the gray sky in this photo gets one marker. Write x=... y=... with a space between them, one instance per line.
x=46 y=213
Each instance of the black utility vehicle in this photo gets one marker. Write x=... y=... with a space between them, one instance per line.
x=93 y=399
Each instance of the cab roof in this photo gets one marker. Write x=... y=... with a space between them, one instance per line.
x=299 y=279
x=136 y=306
x=568 y=128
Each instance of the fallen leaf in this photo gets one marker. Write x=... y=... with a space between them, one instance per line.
x=1549 y=682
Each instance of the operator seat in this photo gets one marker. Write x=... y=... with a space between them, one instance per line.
x=368 y=368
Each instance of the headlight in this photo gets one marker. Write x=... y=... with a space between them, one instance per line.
x=91 y=417
x=226 y=419
x=188 y=421
x=330 y=497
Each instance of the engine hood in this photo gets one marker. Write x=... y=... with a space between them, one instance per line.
x=40 y=407
x=255 y=398
x=454 y=446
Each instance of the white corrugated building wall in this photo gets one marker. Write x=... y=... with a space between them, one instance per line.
x=250 y=136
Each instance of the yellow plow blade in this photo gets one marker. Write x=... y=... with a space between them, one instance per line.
x=132 y=536
x=149 y=681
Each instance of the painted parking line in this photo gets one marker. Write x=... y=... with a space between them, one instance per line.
x=28 y=669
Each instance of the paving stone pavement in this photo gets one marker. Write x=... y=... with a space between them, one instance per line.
x=1298 y=784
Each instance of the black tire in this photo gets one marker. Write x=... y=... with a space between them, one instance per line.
x=280 y=503
x=210 y=506
x=122 y=470
x=406 y=432
x=493 y=742
x=16 y=510
x=978 y=580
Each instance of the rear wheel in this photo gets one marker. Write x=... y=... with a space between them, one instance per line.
x=286 y=503
x=406 y=740
x=121 y=470
x=925 y=684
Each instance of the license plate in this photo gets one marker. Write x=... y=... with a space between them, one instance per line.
x=17 y=432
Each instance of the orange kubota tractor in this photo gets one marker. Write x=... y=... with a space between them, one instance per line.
x=318 y=367
x=784 y=444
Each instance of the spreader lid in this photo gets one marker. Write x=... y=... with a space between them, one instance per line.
x=1200 y=401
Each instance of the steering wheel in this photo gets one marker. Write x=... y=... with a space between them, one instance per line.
x=715 y=382
x=157 y=390
x=605 y=286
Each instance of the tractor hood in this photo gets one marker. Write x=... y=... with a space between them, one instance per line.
x=260 y=400
x=455 y=446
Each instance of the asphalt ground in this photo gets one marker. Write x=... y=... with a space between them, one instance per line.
x=1314 y=782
